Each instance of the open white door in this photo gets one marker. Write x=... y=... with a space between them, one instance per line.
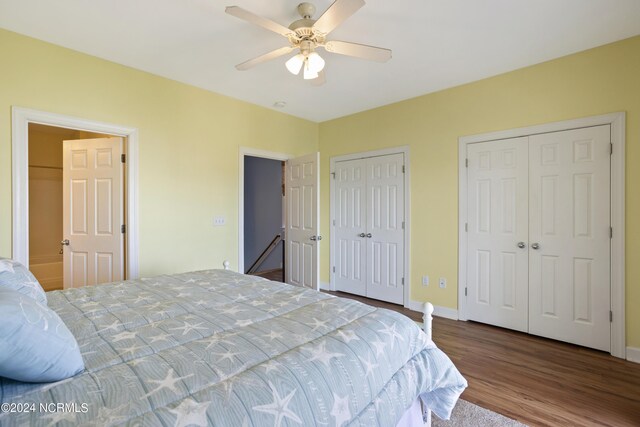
x=302 y=185
x=92 y=211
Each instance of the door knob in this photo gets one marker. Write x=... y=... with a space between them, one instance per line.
x=369 y=235
x=362 y=235
x=522 y=245
x=65 y=242
x=535 y=246
x=314 y=238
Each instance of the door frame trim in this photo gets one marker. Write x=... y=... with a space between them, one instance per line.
x=21 y=117
x=404 y=149
x=617 y=123
x=252 y=152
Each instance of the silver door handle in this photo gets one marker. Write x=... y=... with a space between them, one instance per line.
x=314 y=238
x=362 y=235
x=369 y=235
x=535 y=246
x=522 y=245
x=65 y=242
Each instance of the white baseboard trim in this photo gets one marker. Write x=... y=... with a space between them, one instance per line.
x=633 y=354
x=325 y=286
x=446 y=312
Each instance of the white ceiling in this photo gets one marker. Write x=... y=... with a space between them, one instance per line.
x=436 y=44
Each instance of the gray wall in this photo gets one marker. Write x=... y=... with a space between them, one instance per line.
x=262 y=210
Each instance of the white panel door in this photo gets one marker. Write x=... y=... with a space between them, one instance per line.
x=569 y=260
x=302 y=186
x=385 y=234
x=351 y=226
x=497 y=258
x=92 y=210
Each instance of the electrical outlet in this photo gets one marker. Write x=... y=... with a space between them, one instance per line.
x=425 y=280
x=219 y=220
x=443 y=282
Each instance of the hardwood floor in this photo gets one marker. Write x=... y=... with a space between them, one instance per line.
x=277 y=275
x=537 y=381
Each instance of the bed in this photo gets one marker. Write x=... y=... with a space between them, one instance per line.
x=220 y=348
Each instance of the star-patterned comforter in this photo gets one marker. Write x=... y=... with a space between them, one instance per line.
x=220 y=348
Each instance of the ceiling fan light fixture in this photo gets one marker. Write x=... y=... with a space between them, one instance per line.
x=309 y=74
x=306 y=34
x=315 y=63
x=294 y=65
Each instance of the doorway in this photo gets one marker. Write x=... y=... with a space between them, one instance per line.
x=301 y=212
x=538 y=235
x=264 y=217
x=370 y=223
x=62 y=196
x=541 y=244
x=22 y=118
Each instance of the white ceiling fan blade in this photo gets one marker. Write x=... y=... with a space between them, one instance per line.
x=363 y=51
x=252 y=18
x=266 y=57
x=337 y=13
x=320 y=80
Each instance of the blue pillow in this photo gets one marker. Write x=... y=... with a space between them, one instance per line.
x=36 y=345
x=16 y=276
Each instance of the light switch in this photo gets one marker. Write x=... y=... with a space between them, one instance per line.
x=219 y=220
x=443 y=282
x=425 y=280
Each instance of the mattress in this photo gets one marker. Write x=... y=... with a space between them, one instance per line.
x=220 y=348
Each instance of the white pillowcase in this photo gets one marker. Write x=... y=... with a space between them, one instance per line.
x=36 y=344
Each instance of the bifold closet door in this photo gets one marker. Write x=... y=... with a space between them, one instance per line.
x=497 y=258
x=369 y=233
x=569 y=235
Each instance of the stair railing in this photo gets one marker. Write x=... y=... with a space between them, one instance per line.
x=263 y=256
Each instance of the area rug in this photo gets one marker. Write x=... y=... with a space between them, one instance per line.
x=466 y=414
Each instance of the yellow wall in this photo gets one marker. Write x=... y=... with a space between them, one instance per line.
x=598 y=81
x=189 y=141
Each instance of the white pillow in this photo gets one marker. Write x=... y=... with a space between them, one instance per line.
x=36 y=344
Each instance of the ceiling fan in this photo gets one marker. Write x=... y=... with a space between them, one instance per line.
x=307 y=34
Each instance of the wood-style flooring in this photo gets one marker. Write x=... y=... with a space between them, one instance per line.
x=537 y=381
x=276 y=275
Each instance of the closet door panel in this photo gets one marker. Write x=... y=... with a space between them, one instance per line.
x=497 y=270
x=350 y=227
x=385 y=216
x=569 y=256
